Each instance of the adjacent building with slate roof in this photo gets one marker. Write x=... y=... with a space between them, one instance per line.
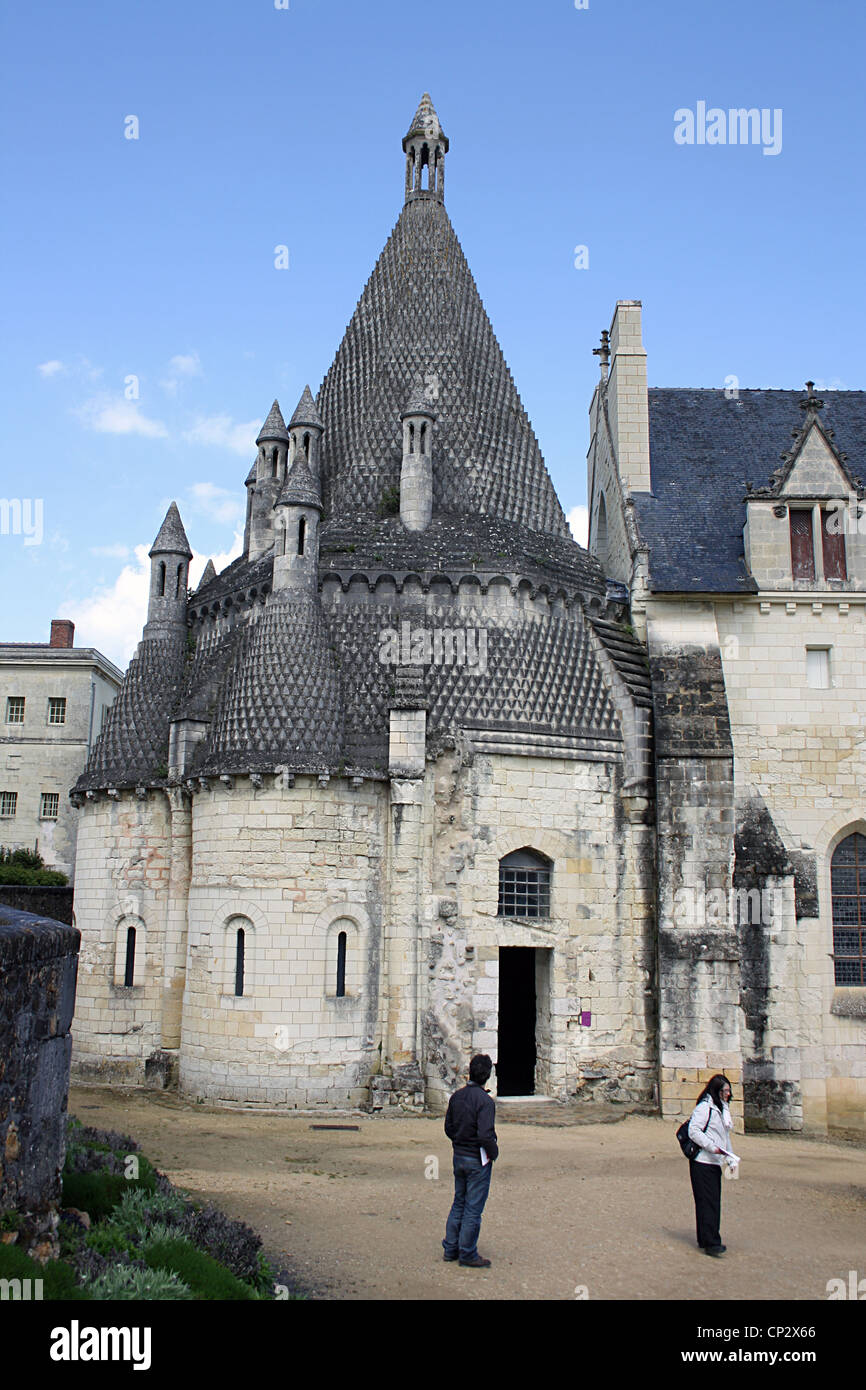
x=384 y=793
x=736 y=520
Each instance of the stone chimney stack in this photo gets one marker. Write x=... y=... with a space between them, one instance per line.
x=628 y=407
x=62 y=632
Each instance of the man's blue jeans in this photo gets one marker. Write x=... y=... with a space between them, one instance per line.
x=471 y=1186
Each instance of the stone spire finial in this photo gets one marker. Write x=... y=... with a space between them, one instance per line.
x=274 y=426
x=418 y=404
x=306 y=412
x=171 y=537
x=425 y=145
x=812 y=402
x=208 y=574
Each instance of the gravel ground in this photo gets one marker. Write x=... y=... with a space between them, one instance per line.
x=600 y=1207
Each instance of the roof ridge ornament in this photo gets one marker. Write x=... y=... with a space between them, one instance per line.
x=812 y=403
x=425 y=145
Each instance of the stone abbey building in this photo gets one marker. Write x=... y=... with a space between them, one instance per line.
x=418 y=776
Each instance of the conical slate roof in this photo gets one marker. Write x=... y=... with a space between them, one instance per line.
x=274 y=427
x=299 y=489
x=426 y=123
x=305 y=411
x=421 y=315
x=207 y=576
x=171 y=538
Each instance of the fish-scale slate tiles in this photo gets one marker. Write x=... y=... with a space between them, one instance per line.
x=133 y=745
x=421 y=319
x=281 y=702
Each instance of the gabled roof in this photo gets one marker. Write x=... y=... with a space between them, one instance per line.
x=781 y=477
x=171 y=537
x=274 y=427
x=421 y=316
x=706 y=454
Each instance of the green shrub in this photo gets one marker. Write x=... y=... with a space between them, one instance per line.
x=208 y=1280
x=148 y=1285
x=58 y=1280
x=139 y=1210
x=107 y=1238
x=100 y=1192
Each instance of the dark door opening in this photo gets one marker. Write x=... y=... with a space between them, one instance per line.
x=515 y=1068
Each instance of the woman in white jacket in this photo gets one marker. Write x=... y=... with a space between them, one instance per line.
x=710 y=1127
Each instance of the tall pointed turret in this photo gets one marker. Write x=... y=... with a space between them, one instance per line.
x=169 y=567
x=306 y=429
x=270 y=466
x=426 y=146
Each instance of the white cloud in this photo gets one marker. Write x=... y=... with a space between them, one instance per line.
x=217 y=502
x=225 y=433
x=51 y=368
x=113 y=552
x=578 y=520
x=108 y=416
x=181 y=367
x=111 y=617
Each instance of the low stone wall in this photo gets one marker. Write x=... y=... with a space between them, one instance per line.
x=45 y=900
x=38 y=968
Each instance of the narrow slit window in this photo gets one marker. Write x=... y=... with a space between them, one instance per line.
x=341 y=965
x=129 y=967
x=302 y=534
x=239 y=962
x=161 y=586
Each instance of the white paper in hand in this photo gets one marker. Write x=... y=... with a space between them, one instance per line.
x=484 y=1159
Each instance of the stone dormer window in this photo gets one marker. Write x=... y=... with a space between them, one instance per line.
x=524 y=885
x=824 y=525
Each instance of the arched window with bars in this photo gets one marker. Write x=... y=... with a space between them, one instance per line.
x=524 y=884
x=848 y=896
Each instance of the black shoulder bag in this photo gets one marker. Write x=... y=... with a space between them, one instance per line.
x=688 y=1146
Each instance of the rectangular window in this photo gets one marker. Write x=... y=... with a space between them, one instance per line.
x=802 y=544
x=8 y=803
x=833 y=543
x=49 y=806
x=818 y=667
x=15 y=709
x=57 y=711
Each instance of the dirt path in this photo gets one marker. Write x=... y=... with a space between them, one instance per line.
x=604 y=1206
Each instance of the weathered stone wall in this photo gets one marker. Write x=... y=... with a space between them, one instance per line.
x=45 y=900
x=124 y=870
x=599 y=936
x=38 y=964
x=292 y=865
x=801 y=750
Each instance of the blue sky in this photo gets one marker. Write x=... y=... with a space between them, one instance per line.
x=153 y=258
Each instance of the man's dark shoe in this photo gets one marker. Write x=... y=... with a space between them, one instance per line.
x=449 y=1259
x=715 y=1250
x=475 y=1263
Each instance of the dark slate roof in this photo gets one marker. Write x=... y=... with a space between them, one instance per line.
x=305 y=411
x=421 y=315
x=280 y=703
x=300 y=488
x=418 y=402
x=705 y=451
x=133 y=745
x=425 y=122
x=171 y=538
x=274 y=426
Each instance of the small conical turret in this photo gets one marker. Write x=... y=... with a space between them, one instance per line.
x=426 y=146
x=416 y=473
x=207 y=576
x=298 y=509
x=306 y=430
x=263 y=486
x=169 y=570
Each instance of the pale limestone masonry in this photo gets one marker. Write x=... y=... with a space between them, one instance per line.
x=38 y=757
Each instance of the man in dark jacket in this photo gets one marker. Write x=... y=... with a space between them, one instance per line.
x=469 y=1126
